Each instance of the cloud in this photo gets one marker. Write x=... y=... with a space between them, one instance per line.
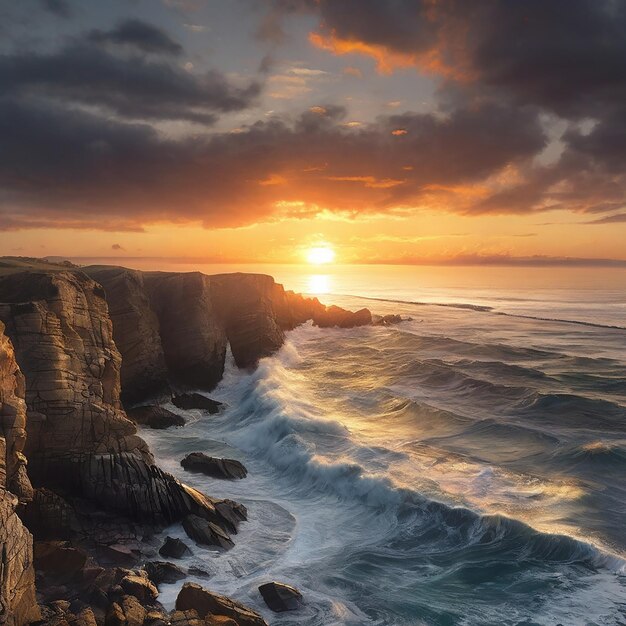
x=134 y=87
x=80 y=167
x=139 y=34
x=116 y=246
x=610 y=219
x=59 y=8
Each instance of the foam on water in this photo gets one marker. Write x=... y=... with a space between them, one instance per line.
x=443 y=471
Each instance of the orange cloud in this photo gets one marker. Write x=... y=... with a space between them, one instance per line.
x=369 y=181
x=273 y=179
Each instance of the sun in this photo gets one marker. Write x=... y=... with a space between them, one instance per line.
x=320 y=255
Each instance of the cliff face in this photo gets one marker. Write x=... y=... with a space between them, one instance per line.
x=135 y=331
x=17 y=576
x=80 y=442
x=62 y=334
x=187 y=321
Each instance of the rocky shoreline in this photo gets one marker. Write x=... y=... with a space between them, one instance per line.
x=81 y=499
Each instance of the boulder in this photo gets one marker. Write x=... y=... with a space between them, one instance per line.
x=213 y=466
x=280 y=597
x=230 y=514
x=219 y=620
x=59 y=559
x=174 y=548
x=196 y=401
x=193 y=596
x=155 y=417
x=141 y=587
x=134 y=612
x=387 y=320
x=206 y=533
x=164 y=572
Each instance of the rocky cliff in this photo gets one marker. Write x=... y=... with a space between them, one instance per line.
x=186 y=321
x=17 y=576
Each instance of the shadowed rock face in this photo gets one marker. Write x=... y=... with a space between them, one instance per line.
x=135 y=329
x=17 y=575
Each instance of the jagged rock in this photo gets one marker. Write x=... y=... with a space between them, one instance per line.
x=199 y=573
x=135 y=331
x=386 y=320
x=115 y=616
x=134 y=612
x=193 y=596
x=155 y=417
x=140 y=586
x=336 y=316
x=186 y=618
x=280 y=597
x=12 y=423
x=196 y=401
x=212 y=466
x=174 y=548
x=164 y=572
x=17 y=576
x=231 y=514
x=206 y=533
x=85 y=617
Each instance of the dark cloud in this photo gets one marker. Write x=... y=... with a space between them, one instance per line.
x=79 y=167
x=129 y=86
x=610 y=219
x=59 y=7
x=139 y=34
x=116 y=246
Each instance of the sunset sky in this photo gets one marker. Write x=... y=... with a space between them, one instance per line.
x=400 y=131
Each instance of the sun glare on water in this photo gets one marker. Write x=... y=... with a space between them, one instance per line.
x=320 y=255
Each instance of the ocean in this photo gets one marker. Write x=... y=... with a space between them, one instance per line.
x=466 y=466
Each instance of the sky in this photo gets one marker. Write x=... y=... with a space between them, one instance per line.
x=390 y=131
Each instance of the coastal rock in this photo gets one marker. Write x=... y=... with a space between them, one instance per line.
x=156 y=417
x=59 y=559
x=186 y=618
x=49 y=516
x=212 y=466
x=174 y=548
x=280 y=597
x=193 y=596
x=60 y=327
x=193 y=339
x=336 y=316
x=135 y=331
x=196 y=401
x=386 y=320
x=141 y=587
x=206 y=533
x=164 y=572
x=12 y=422
x=18 y=604
x=230 y=514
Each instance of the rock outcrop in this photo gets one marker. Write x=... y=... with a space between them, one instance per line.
x=155 y=417
x=194 y=597
x=17 y=575
x=280 y=597
x=213 y=466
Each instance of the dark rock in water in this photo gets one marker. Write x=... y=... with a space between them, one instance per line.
x=336 y=316
x=280 y=597
x=206 y=533
x=196 y=401
x=212 y=466
x=200 y=573
x=193 y=596
x=155 y=417
x=387 y=320
x=230 y=513
x=174 y=548
x=164 y=572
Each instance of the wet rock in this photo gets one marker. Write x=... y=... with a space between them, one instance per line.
x=213 y=466
x=336 y=316
x=174 y=548
x=196 y=401
x=156 y=417
x=193 y=596
x=280 y=597
x=219 y=620
x=387 y=320
x=141 y=587
x=199 y=573
x=206 y=533
x=164 y=572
